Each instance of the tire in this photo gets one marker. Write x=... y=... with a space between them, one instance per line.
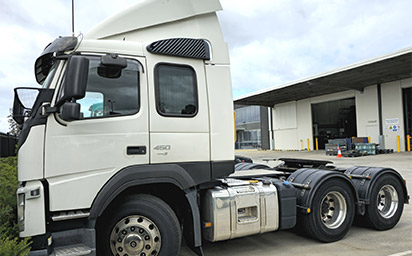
x=141 y=225
x=332 y=212
x=386 y=203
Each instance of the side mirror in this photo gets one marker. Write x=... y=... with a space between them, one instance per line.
x=70 y=111
x=24 y=99
x=111 y=66
x=75 y=81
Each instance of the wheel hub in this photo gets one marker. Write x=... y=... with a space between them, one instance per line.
x=135 y=235
x=387 y=201
x=333 y=210
x=133 y=243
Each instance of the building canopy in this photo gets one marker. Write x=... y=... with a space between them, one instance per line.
x=388 y=68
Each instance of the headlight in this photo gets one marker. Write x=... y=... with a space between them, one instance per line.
x=20 y=211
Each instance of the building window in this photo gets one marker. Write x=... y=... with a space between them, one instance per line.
x=176 y=90
x=248 y=127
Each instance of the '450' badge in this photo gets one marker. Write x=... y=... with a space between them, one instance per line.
x=162 y=147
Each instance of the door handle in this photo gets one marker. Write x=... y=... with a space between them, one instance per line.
x=136 y=150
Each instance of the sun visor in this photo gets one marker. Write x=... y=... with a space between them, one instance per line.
x=44 y=62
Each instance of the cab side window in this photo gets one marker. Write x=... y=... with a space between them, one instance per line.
x=176 y=90
x=108 y=96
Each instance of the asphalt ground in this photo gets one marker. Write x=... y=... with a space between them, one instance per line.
x=359 y=240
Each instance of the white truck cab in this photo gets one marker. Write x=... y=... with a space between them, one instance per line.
x=129 y=144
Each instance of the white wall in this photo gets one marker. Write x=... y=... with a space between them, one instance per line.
x=392 y=109
x=285 y=126
x=304 y=119
x=367 y=114
x=284 y=116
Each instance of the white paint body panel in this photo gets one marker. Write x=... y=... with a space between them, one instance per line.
x=77 y=191
x=30 y=160
x=173 y=19
x=83 y=155
x=184 y=147
x=188 y=137
x=141 y=16
x=221 y=112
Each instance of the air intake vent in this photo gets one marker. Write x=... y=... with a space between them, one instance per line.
x=182 y=47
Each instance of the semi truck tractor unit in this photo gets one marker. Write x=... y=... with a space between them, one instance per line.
x=128 y=147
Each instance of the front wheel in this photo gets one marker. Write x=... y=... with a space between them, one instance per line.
x=386 y=203
x=333 y=211
x=142 y=225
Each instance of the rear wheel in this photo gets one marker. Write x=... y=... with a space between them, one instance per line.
x=141 y=226
x=333 y=210
x=386 y=203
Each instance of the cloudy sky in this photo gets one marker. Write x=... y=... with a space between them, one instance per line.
x=271 y=42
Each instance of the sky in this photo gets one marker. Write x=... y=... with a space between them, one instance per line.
x=271 y=42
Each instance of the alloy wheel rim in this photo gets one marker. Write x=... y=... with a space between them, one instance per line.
x=387 y=201
x=333 y=210
x=135 y=236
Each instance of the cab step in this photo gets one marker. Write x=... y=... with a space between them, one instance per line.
x=73 y=250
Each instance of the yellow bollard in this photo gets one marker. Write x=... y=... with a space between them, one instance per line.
x=301 y=144
x=398 y=142
x=369 y=139
x=234 y=116
x=308 y=144
x=317 y=144
x=408 y=142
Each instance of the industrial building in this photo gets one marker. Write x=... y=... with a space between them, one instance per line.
x=368 y=99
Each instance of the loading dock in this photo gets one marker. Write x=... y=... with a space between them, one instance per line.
x=333 y=120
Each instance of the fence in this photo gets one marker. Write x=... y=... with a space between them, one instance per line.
x=7 y=145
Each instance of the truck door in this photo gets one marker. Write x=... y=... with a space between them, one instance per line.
x=179 y=116
x=112 y=133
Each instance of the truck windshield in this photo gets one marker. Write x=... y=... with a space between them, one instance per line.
x=49 y=78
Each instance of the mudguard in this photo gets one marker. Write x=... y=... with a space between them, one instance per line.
x=307 y=181
x=249 y=166
x=151 y=174
x=364 y=178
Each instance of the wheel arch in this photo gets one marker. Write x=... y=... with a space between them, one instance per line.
x=365 y=186
x=169 y=182
x=314 y=178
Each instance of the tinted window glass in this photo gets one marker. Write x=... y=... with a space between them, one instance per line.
x=113 y=96
x=49 y=78
x=176 y=91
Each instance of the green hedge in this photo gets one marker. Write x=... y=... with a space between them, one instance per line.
x=10 y=243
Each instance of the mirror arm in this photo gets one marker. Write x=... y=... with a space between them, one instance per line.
x=47 y=110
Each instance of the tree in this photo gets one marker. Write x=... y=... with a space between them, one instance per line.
x=14 y=128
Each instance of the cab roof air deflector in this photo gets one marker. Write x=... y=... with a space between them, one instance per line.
x=43 y=63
